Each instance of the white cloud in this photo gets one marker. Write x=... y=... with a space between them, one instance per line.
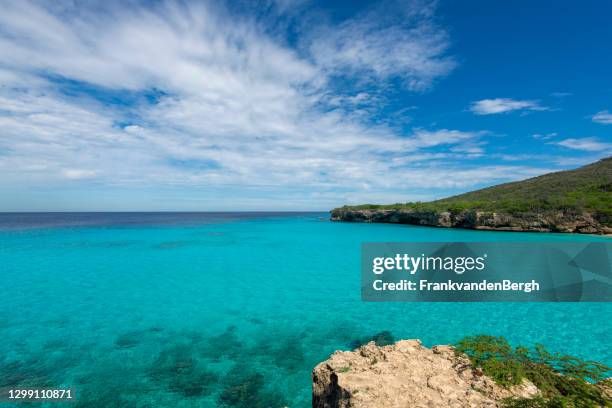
x=588 y=144
x=546 y=136
x=471 y=149
x=424 y=138
x=384 y=44
x=603 y=117
x=503 y=105
x=236 y=109
x=133 y=129
x=77 y=174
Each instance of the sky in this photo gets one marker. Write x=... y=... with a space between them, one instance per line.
x=294 y=104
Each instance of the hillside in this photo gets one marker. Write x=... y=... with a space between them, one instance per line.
x=582 y=196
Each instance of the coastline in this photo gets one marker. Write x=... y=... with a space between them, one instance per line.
x=406 y=373
x=479 y=220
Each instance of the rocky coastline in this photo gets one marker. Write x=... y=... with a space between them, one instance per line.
x=407 y=374
x=585 y=223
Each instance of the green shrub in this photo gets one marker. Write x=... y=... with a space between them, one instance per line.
x=587 y=189
x=564 y=381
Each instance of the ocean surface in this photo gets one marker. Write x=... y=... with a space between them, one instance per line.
x=227 y=309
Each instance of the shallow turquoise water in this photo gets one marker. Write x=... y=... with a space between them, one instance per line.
x=234 y=312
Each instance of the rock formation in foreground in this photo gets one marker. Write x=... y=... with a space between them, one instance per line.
x=406 y=374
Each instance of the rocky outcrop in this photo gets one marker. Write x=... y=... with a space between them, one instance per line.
x=605 y=387
x=406 y=374
x=550 y=222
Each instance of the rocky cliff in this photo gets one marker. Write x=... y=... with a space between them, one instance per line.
x=584 y=223
x=406 y=374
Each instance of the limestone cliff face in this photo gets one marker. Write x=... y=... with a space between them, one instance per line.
x=550 y=222
x=406 y=375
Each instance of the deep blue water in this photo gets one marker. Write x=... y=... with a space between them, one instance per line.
x=227 y=309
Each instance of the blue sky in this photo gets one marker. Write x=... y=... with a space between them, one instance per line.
x=294 y=105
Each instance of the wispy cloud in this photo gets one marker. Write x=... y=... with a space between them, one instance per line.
x=545 y=136
x=504 y=105
x=587 y=144
x=183 y=95
x=77 y=174
x=603 y=117
x=402 y=44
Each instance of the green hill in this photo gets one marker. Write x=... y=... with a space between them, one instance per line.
x=587 y=189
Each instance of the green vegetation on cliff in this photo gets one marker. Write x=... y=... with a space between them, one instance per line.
x=563 y=381
x=586 y=189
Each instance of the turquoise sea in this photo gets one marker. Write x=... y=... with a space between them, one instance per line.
x=206 y=310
